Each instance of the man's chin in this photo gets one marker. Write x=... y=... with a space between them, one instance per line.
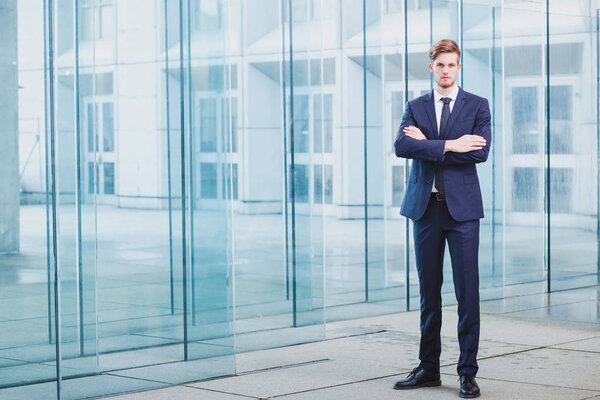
x=446 y=83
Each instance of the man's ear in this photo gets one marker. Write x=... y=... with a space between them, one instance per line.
x=430 y=67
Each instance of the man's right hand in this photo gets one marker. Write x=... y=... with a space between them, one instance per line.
x=465 y=143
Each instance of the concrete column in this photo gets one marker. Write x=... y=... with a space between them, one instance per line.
x=9 y=135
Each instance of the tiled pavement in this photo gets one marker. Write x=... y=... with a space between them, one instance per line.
x=532 y=347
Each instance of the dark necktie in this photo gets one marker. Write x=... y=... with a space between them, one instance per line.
x=439 y=178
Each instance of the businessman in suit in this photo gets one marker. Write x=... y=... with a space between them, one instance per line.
x=445 y=132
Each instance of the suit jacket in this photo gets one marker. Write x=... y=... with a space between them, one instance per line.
x=470 y=115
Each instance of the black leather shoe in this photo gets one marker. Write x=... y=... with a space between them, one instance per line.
x=419 y=378
x=468 y=387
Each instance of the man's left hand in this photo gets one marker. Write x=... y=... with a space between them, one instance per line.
x=414 y=132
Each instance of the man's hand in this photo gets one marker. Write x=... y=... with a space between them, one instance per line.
x=414 y=132
x=465 y=143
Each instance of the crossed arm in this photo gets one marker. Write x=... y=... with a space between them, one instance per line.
x=468 y=149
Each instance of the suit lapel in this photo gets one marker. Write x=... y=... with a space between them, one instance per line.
x=458 y=106
x=430 y=110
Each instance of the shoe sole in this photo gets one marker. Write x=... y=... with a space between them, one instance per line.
x=466 y=396
x=426 y=384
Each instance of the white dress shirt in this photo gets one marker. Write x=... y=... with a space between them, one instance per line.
x=439 y=104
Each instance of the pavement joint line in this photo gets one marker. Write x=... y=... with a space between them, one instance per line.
x=446 y=365
x=318 y=341
x=577 y=350
x=285 y=366
x=179 y=341
x=188 y=385
x=576 y=340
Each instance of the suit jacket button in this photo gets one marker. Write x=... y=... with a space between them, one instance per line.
x=429 y=182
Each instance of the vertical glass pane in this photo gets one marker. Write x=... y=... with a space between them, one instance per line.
x=27 y=323
x=397 y=185
x=301 y=123
x=526 y=134
x=480 y=76
x=208 y=125
x=234 y=125
x=109 y=178
x=328 y=183
x=573 y=146
x=318 y=184
x=523 y=149
x=108 y=127
x=89 y=118
x=318 y=123
x=328 y=123
x=106 y=24
x=301 y=183
x=208 y=284
x=91 y=178
x=208 y=180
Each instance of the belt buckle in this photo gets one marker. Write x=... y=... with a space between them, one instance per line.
x=440 y=197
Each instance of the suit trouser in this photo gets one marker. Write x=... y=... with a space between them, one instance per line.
x=431 y=233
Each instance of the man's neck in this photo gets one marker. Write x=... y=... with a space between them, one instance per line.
x=444 y=91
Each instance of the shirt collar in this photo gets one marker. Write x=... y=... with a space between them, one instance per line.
x=437 y=96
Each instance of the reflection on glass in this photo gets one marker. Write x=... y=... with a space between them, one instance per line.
x=526 y=134
x=108 y=127
x=525 y=193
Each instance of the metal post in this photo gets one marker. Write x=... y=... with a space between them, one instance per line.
x=183 y=191
x=168 y=110
x=366 y=225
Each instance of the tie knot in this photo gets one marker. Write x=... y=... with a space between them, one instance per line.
x=446 y=100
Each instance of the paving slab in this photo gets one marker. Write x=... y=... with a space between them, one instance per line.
x=585 y=312
x=501 y=328
x=591 y=345
x=179 y=393
x=381 y=389
x=300 y=378
x=388 y=349
x=552 y=367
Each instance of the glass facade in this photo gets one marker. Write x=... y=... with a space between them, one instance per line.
x=185 y=180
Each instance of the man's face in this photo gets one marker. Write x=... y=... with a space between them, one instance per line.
x=445 y=68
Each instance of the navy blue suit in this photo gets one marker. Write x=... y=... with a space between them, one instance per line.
x=455 y=220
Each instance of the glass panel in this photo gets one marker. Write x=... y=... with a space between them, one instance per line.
x=328 y=183
x=208 y=180
x=301 y=183
x=91 y=177
x=208 y=284
x=526 y=134
x=301 y=123
x=89 y=117
x=105 y=22
x=104 y=83
x=27 y=323
x=107 y=127
x=573 y=123
x=561 y=119
x=523 y=149
x=328 y=122
x=397 y=185
x=318 y=123
x=208 y=125
x=481 y=69
x=109 y=178
x=318 y=184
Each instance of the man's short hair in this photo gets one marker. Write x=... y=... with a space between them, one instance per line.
x=444 y=46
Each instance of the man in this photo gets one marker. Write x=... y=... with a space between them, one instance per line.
x=446 y=132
